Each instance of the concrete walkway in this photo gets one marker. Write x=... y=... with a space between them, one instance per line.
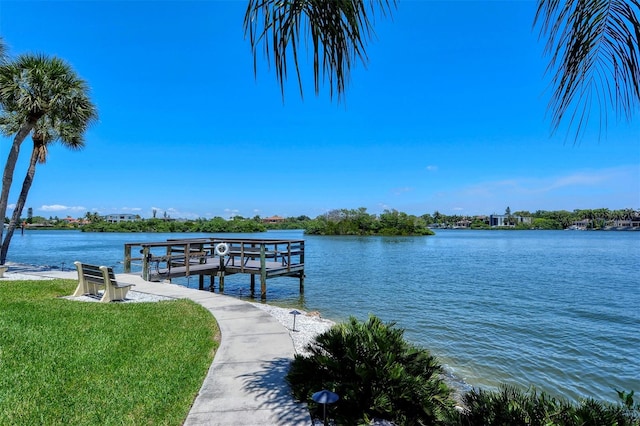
x=245 y=384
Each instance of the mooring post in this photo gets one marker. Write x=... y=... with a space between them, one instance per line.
x=212 y=285
x=146 y=260
x=200 y=282
x=263 y=271
x=301 y=282
x=127 y=258
x=253 y=284
x=221 y=274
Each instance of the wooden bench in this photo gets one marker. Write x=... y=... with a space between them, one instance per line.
x=91 y=278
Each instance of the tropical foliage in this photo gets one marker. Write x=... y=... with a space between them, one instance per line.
x=512 y=406
x=338 y=30
x=359 y=222
x=217 y=224
x=375 y=372
x=43 y=96
x=593 y=47
x=378 y=375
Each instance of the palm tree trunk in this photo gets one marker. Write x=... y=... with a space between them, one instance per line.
x=22 y=200
x=7 y=176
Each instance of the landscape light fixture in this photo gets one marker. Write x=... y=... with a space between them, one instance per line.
x=294 y=313
x=325 y=397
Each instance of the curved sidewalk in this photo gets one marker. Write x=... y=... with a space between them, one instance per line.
x=246 y=383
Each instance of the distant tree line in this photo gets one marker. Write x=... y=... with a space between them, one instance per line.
x=345 y=222
x=216 y=224
x=359 y=222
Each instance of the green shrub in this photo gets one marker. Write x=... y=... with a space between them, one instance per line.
x=511 y=406
x=376 y=373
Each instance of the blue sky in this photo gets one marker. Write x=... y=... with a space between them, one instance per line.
x=449 y=115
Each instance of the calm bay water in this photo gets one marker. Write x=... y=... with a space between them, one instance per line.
x=558 y=310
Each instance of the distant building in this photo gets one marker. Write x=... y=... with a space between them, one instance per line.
x=504 y=220
x=627 y=223
x=273 y=219
x=72 y=221
x=121 y=217
x=462 y=224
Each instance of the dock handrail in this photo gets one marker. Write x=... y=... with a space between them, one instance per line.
x=180 y=252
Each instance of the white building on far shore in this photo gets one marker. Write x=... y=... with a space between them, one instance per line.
x=504 y=220
x=120 y=217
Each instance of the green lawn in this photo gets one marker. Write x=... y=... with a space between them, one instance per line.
x=68 y=362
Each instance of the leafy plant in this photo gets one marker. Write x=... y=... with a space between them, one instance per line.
x=511 y=406
x=376 y=373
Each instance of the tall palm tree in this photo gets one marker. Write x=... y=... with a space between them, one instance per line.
x=593 y=45
x=44 y=96
x=70 y=132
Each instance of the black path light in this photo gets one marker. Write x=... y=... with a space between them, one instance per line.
x=294 y=313
x=325 y=397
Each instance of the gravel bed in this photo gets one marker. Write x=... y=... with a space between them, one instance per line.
x=308 y=324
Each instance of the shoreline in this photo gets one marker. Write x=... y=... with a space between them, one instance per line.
x=307 y=324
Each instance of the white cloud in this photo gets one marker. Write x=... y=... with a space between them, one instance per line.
x=432 y=168
x=59 y=208
x=400 y=191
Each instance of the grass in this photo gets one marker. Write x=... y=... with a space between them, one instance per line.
x=68 y=362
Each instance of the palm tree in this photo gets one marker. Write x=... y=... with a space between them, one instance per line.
x=593 y=45
x=70 y=134
x=44 y=96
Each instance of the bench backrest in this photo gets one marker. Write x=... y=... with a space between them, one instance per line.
x=93 y=273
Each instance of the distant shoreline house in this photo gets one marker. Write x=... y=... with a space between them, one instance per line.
x=499 y=220
x=627 y=223
x=273 y=219
x=71 y=221
x=121 y=217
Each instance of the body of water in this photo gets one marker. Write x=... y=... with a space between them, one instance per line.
x=558 y=310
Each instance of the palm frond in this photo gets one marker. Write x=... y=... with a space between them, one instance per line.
x=3 y=51
x=594 y=51
x=338 y=31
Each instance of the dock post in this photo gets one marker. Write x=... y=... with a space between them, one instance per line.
x=253 y=284
x=212 y=284
x=145 y=263
x=263 y=272
x=127 y=258
x=301 y=282
x=200 y=282
x=221 y=275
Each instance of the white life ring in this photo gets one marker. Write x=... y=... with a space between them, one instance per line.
x=222 y=249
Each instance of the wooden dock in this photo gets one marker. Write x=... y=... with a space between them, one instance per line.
x=218 y=257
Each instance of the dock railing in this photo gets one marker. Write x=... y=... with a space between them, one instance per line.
x=197 y=256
